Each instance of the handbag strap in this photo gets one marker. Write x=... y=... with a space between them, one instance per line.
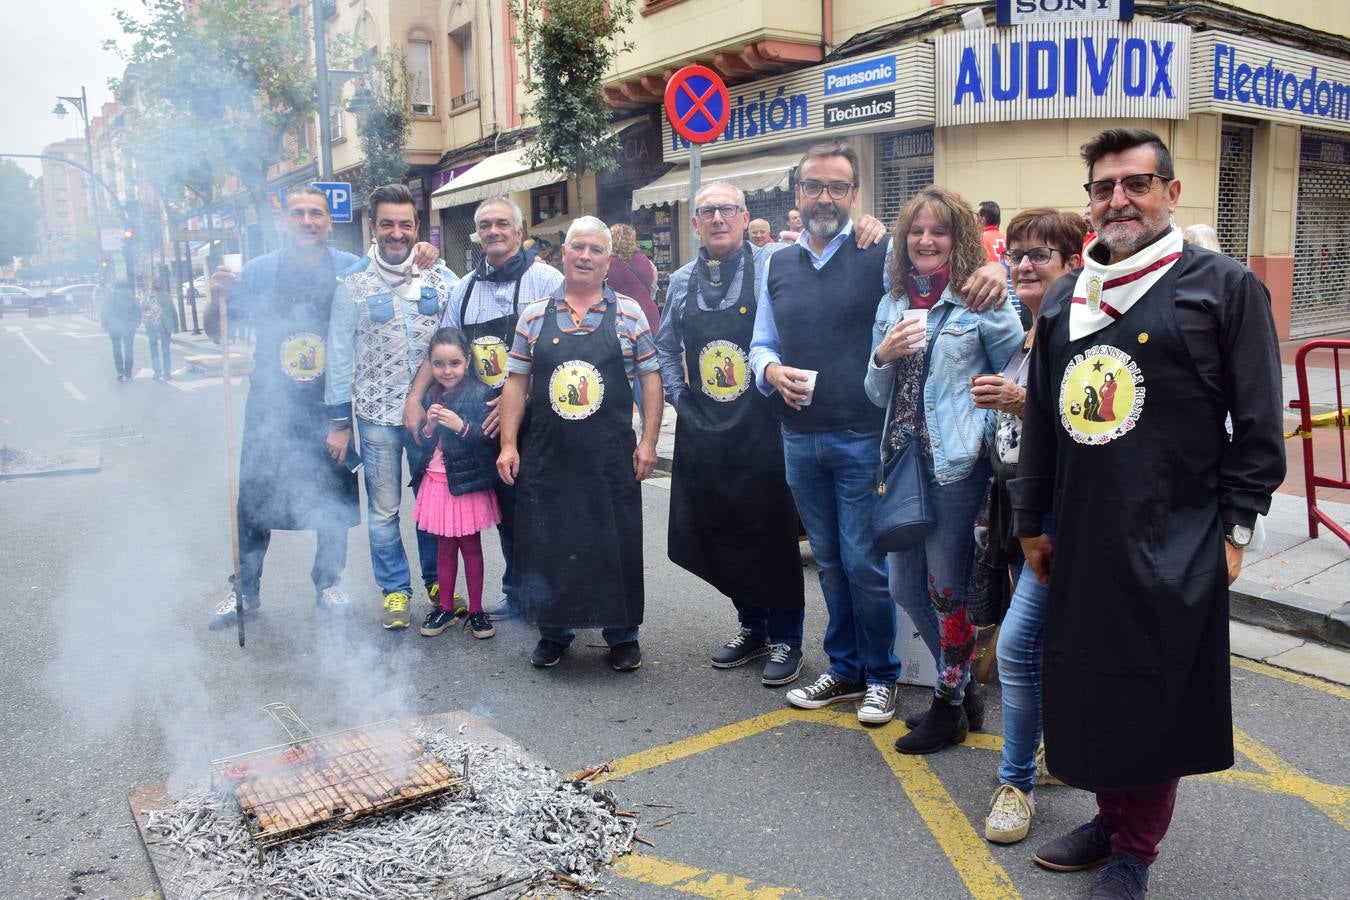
x=927 y=361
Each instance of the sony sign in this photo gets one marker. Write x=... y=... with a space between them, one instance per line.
x=1026 y=12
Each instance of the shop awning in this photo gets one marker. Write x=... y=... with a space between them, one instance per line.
x=494 y=176
x=761 y=172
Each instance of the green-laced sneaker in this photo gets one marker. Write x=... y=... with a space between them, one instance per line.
x=396 y=610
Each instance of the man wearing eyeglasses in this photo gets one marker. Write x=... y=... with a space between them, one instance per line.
x=1139 y=356
x=812 y=339
x=732 y=521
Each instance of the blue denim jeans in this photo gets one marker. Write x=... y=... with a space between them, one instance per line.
x=159 y=340
x=833 y=475
x=612 y=636
x=781 y=626
x=382 y=450
x=929 y=579
x=1019 y=671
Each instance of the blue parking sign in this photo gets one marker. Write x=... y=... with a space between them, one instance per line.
x=339 y=198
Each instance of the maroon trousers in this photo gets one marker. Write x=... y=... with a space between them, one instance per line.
x=1137 y=819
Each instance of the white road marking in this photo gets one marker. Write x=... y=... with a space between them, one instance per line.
x=13 y=329
x=82 y=335
x=73 y=391
x=36 y=352
x=42 y=326
x=145 y=373
x=190 y=386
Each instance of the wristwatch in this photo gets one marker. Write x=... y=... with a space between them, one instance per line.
x=1237 y=535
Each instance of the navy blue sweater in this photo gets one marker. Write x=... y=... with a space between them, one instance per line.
x=470 y=461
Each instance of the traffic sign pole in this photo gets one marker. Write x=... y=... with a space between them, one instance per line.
x=695 y=174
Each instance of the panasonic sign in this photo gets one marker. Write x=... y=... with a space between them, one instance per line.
x=860 y=75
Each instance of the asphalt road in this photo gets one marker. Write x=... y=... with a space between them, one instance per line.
x=111 y=680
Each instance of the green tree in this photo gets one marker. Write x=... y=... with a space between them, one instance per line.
x=572 y=43
x=221 y=86
x=19 y=212
x=386 y=124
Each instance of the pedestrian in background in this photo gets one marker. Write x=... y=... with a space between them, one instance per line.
x=633 y=274
x=120 y=316
x=161 y=321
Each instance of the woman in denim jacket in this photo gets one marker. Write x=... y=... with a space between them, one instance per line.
x=936 y=245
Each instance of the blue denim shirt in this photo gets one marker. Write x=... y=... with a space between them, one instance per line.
x=970 y=344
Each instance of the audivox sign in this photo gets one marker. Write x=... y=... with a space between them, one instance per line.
x=870 y=94
x=1062 y=71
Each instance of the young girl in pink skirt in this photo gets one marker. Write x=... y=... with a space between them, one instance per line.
x=455 y=497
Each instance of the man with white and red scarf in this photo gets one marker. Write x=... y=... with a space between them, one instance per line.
x=385 y=310
x=1138 y=357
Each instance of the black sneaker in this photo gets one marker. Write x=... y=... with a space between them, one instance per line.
x=1124 y=878
x=1086 y=847
x=224 y=614
x=783 y=667
x=740 y=650
x=436 y=621
x=547 y=653
x=625 y=657
x=479 y=625
x=825 y=690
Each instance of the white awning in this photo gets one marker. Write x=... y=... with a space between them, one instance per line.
x=761 y=172
x=493 y=177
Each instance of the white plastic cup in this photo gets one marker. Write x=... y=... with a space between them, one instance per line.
x=921 y=315
x=234 y=262
x=810 y=385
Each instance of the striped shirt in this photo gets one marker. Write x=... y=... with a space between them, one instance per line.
x=635 y=336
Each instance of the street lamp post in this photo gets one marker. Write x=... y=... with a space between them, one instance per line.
x=82 y=104
x=328 y=80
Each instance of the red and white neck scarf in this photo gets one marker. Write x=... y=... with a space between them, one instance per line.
x=1104 y=293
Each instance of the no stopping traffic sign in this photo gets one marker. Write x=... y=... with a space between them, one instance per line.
x=697 y=104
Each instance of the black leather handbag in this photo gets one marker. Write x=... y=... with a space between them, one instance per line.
x=903 y=514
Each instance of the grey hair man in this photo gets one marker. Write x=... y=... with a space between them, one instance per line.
x=578 y=476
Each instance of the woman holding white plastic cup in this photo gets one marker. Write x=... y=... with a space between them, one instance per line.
x=936 y=245
x=1043 y=245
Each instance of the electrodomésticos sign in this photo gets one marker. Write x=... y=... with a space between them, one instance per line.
x=1244 y=76
x=1061 y=71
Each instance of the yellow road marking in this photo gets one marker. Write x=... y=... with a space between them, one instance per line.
x=700 y=883
x=1317 y=684
x=666 y=753
x=966 y=851
x=1330 y=799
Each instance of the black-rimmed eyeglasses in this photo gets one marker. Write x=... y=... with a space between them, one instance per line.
x=727 y=210
x=838 y=189
x=1039 y=256
x=1133 y=185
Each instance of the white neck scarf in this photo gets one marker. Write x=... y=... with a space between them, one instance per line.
x=1104 y=293
x=400 y=278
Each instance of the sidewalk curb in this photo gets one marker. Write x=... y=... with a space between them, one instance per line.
x=1289 y=613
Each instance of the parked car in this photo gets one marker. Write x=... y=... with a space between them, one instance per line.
x=72 y=298
x=14 y=298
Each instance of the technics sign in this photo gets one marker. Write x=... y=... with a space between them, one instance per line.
x=1028 y=12
x=1237 y=74
x=876 y=93
x=1088 y=70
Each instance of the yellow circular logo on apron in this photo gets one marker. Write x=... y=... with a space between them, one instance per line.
x=1101 y=395
x=723 y=370
x=575 y=390
x=302 y=356
x=489 y=360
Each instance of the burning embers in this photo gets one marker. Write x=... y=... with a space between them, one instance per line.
x=313 y=784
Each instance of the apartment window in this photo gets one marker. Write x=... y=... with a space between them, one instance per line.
x=461 y=66
x=335 y=131
x=419 y=68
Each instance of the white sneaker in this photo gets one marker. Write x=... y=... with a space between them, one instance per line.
x=878 y=706
x=335 y=600
x=1010 y=813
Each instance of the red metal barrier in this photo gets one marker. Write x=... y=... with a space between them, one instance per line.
x=1311 y=480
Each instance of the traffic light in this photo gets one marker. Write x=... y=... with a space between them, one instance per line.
x=128 y=233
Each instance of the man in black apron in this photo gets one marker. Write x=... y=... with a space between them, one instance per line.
x=1139 y=358
x=486 y=306
x=287 y=480
x=578 y=471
